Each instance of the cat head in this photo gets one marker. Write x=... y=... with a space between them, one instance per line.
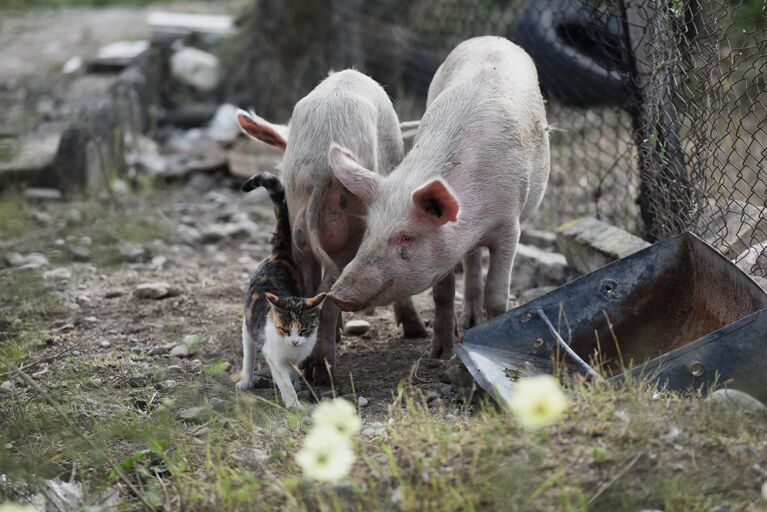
x=296 y=318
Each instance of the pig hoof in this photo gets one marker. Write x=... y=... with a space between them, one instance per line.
x=414 y=329
x=440 y=352
x=471 y=318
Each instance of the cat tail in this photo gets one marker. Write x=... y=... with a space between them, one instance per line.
x=272 y=184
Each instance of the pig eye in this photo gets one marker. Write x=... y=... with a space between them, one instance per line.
x=407 y=238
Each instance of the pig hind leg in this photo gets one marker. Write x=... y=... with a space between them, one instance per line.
x=445 y=325
x=502 y=253
x=473 y=290
x=324 y=353
x=406 y=315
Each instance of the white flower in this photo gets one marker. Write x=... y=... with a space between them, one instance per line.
x=338 y=414
x=537 y=401
x=13 y=507
x=326 y=456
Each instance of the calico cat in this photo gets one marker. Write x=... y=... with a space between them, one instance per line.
x=277 y=319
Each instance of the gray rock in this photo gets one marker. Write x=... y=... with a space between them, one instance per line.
x=732 y=225
x=32 y=260
x=196 y=68
x=214 y=233
x=40 y=194
x=156 y=290
x=223 y=127
x=158 y=350
x=78 y=253
x=113 y=294
x=174 y=369
x=166 y=384
x=8 y=388
x=139 y=381
x=541 y=239
x=105 y=344
x=74 y=216
x=134 y=253
x=118 y=55
x=195 y=366
x=41 y=217
x=180 y=350
x=250 y=456
x=196 y=414
x=534 y=267
x=189 y=234
x=356 y=327
x=58 y=274
x=362 y=401
x=219 y=404
x=732 y=398
x=533 y=293
x=589 y=244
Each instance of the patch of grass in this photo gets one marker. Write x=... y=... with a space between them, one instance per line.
x=617 y=449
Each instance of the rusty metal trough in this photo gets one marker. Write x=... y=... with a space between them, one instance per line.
x=678 y=312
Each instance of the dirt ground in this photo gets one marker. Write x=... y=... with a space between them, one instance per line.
x=105 y=321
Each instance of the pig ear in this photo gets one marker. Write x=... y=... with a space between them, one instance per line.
x=260 y=129
x=437 y=201
x=357 y=180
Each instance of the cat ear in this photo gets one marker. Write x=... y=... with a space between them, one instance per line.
x=273 y=299
x=316 y=301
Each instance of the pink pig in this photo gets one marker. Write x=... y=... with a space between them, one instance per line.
x=327 y=223
x=479 y=165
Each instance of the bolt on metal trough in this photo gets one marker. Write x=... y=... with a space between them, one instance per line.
x=678 y=312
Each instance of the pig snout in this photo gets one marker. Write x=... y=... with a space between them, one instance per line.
x=357 y=290
x=345 y=304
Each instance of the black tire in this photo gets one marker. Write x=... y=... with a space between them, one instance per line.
x=579 y=51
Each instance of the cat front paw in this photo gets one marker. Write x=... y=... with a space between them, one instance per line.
x=244 y=384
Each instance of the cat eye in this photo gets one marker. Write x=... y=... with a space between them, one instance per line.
x=304 y=332
x=284 y=331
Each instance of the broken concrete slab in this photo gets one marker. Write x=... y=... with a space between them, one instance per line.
x=589 y=243
x=117 y=55
x=754 y=259
x=174 y=24
x=196 y=68
x=33 y=155
x=546 y=240
x=732 y=226
x=534 y=267
x=248 y=157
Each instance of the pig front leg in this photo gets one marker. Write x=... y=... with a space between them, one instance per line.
x=473 y=290
x=406 y=314
x=444 y=317
x=502 y=254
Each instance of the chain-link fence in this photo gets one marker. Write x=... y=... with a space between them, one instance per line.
x=658 y=108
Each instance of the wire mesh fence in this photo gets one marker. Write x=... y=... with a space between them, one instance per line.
x=658 y=108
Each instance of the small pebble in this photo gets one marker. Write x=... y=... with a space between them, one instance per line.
x=96 y=381
x=356 y=327
x=362 y=401
x=175 y=369
x=138 y=381
x=8 y=388
x=105 y=344
x=195 y=366
x=166 y=384
x=180 y=350
x=219 y=404
x=196 y=414
x=91 y=320
x=113 y=294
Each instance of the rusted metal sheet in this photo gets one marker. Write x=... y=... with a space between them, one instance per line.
x=677 y=311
